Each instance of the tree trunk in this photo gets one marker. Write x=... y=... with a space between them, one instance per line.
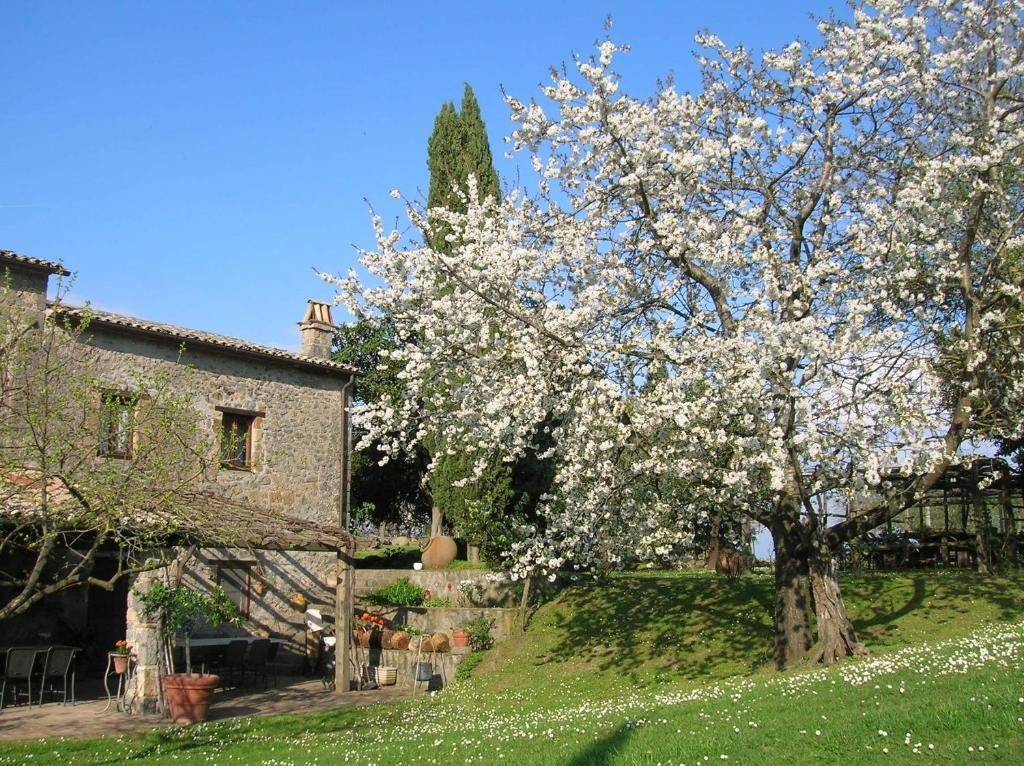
x=792 y=625
x=837 y=638
x=714 y=541
x=524 y=604
x=436 y=521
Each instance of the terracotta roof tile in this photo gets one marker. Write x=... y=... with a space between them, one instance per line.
x=199 y=337
x=6 y=256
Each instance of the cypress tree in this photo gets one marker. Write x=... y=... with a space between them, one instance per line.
x=444 y=160
x=476 y=152
x=458 y=147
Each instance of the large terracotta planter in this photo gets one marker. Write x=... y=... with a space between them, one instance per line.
x=188 y=696
x=460 y=638
x=439 y=552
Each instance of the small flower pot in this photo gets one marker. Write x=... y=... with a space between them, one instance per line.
x=189 y=696
x=120 y=663
x=460 y=638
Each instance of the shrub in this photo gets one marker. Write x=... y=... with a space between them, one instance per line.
x=468 y=665
x=401 y=592
x=479 y=629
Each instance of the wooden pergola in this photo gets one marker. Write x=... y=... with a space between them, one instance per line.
x=214 y=521
x=228 y=523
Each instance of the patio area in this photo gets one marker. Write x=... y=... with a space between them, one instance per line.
x=299 y=694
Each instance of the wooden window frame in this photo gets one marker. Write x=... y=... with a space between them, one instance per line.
x=108 y=436
x=249 y=418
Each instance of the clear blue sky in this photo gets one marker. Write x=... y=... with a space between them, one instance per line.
x=193 y=161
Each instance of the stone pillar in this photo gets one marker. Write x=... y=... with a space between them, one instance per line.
x=144 y=638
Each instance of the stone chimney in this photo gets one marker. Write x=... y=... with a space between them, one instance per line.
x=317 y=329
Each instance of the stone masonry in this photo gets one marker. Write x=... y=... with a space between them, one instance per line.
x=298 y=405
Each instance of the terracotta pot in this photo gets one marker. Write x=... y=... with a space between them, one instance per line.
x=120 y=662
x=188 y=696
x=460 y=638
x=439 y=552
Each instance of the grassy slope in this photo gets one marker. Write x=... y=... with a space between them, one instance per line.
x=670 y=668
x=678 y=627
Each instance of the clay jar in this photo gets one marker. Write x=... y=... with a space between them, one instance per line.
x=439 y=552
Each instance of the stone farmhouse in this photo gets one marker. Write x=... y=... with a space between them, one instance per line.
x=288 y=412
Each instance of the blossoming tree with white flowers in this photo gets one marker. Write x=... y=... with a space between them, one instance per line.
x=750 y=296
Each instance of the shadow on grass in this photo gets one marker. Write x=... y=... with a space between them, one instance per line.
x=877 y=601
x=687 y=626
x=223 y=735
x=603 y=751
x=704 y=627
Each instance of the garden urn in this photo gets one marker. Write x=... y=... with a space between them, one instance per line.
x=439 y=552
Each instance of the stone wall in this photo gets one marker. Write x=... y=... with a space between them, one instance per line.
x=27 y=286
x=283 y=574
x=297 y=450
x=444 y=665
x=296 y=469
x=297 y=465
x=494 y=590
x=446 y=619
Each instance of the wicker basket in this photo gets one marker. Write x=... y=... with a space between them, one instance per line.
x=383 y=675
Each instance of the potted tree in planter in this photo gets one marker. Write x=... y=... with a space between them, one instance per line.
x=179 y=609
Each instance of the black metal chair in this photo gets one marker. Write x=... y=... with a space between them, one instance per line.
x=233 y=664
x=59 y=663
x=256 y=661
x=21 y=661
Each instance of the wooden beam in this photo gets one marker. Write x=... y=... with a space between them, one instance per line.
x=343 y=605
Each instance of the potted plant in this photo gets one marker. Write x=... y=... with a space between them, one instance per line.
x=179 y=609
x=120 y=656
x=460 y=637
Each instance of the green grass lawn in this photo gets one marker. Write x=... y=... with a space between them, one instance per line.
x=671 y=669
x=401 y=557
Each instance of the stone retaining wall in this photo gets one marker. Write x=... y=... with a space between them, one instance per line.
x=444 y=665
x=447 y=619
x=442 y=582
